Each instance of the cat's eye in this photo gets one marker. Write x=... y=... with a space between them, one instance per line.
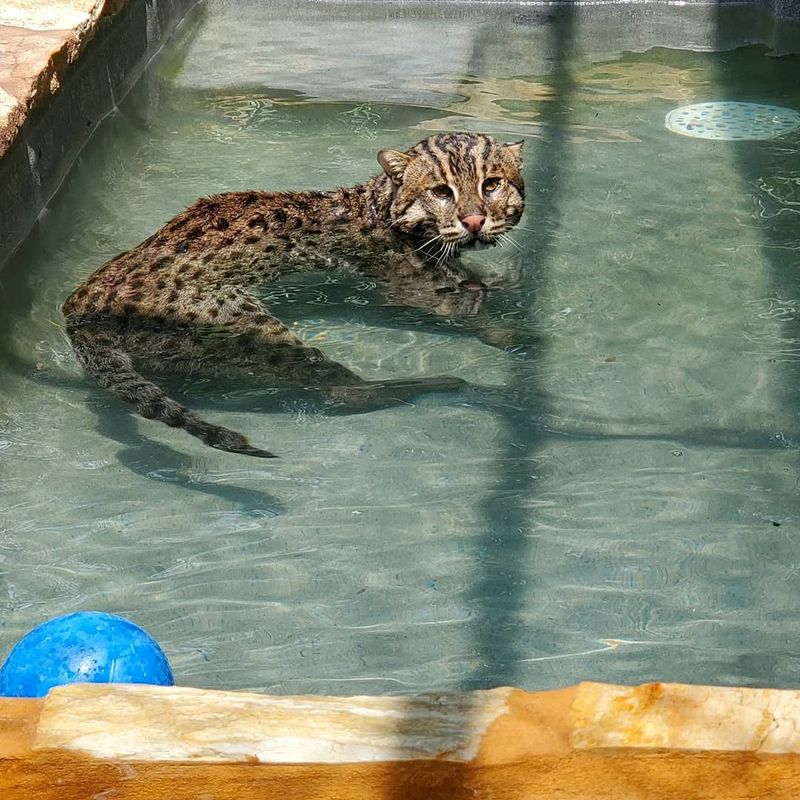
x=443 y=192
x=490 y=185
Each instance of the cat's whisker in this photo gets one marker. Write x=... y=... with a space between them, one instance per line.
x=505 y=237
x=445 y=253
x=426 y=244
x=438 y=254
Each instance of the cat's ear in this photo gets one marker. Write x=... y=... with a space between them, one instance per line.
x=394 y=163
x=515 y=150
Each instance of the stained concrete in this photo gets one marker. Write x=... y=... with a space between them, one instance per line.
x=64 y=65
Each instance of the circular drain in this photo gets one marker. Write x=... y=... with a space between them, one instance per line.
x=731 y=120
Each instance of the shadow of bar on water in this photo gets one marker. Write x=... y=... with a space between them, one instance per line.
x=769 y=177
x=507 y=555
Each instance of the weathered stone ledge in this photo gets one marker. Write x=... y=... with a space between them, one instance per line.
x=591 y=741
x=64 y=65
x=38 y=42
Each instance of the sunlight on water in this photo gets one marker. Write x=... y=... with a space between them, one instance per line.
x=616 y=502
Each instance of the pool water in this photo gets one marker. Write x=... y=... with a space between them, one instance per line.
x=621 y=504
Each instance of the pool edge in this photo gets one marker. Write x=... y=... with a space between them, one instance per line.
x=58 y=84
x=587 y=741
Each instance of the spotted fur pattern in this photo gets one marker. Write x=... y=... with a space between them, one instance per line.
x=183 y=300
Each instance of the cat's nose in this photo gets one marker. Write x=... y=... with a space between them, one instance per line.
x=473 y=222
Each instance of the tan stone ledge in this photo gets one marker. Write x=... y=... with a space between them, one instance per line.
x=592 y=741
x=38 y=42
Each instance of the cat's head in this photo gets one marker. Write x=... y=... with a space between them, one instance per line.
x=465 y=188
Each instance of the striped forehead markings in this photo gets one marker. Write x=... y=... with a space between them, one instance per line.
x=425 y=145
x=442 y=158
x=463 y=154
x=451 y=157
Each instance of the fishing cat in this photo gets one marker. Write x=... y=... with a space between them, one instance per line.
x=183 y=300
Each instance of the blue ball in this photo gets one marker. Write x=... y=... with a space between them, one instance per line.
x=85 y=647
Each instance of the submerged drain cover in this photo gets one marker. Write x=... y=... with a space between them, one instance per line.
x=732 y=120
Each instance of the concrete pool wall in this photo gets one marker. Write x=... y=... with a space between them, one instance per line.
x=64 y=65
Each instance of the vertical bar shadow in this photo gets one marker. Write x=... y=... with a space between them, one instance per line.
x=508 y=557
x=770 y=171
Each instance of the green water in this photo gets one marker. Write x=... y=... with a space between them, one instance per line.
x=622 y=507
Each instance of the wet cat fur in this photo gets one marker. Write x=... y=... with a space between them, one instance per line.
x=182 y=301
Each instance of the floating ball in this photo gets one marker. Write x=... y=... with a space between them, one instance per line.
x=85 y=647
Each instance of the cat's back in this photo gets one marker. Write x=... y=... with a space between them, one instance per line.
x=218 y=237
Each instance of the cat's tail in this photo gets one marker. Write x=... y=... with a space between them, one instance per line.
x=113 y=369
